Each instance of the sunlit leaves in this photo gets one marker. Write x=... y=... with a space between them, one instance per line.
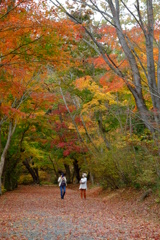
x=99 y=96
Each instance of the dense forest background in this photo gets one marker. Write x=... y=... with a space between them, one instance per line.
x=80 y=91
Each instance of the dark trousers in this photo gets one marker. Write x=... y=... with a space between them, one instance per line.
x=63 y=191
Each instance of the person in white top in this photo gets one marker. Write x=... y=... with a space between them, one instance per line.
x=62 y=184
x=83 y=185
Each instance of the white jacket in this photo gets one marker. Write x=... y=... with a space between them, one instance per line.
x=83 y=183
x=60 y=180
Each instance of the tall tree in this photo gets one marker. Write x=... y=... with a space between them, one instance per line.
x=144 y=25
x=29 y=40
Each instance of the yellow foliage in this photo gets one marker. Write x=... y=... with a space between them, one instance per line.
x=30 y=150
x=82 y=83
x=125 y=102
x=40 y=113
x=71 y=126
x=99 y=95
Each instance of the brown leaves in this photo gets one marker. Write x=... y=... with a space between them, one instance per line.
x=38 y=213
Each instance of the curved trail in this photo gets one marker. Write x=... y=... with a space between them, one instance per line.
x=38 y=213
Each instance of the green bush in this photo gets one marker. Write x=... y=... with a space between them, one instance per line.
x=125 y=165
x=25 y=179
x=146 y=178
x=3 y=189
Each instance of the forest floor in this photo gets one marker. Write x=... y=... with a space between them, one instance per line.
x=38 y=213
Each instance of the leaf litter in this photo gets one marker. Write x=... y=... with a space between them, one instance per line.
x=38 y=213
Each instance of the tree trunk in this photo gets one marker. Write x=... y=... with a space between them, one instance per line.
x=91 y=177
x=113 y=18
x=68 y=173
x=102 y=131
x=84 y=125
x=54 y=168
x=33 y=171
x=150 y=58
x=137 y=90
x=143 y=111
x=10 y=174
x=76 y=170
x=4 y=152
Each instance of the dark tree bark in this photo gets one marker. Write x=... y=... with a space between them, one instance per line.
x=76 y=170
x=54 y=168
x=102 y=131
x=10 y=174
x=5 y=150
x=32 y=170
x=68 y=173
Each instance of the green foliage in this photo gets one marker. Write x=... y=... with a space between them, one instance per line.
x=146 y=178
x=109 y=110
x=46 y=183
x=124 y=166
x=3 y=189
x=139 y=127
x=26 y=179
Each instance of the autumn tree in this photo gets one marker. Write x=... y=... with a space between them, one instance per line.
x=142 y=72
x=30 y=40
x=126 y=49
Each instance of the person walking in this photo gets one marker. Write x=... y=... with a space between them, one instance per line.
x=83 y=185
x=62 y=184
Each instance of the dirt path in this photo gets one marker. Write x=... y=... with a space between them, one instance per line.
x=35 y=213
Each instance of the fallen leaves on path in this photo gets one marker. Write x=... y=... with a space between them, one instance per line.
x=37 y=213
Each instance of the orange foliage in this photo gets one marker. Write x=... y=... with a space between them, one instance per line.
x=113 y=85
x=29 y=41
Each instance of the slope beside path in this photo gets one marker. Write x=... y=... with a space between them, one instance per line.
x=37 y=213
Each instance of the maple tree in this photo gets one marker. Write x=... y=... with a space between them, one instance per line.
x=131 y=55
x=66 y=139
x=125 y=51
x=29 y=40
